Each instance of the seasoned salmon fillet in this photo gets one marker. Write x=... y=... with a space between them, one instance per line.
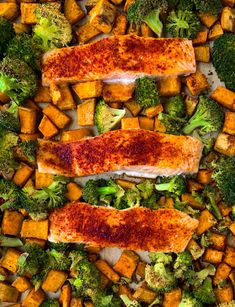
x=119 y=57
x=136 y=152
x=163 y=230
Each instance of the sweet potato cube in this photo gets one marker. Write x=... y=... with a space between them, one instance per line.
x=8 y=293
x=146 y=123
x=88 y=304
x=43 y=180
x=172 y=298
x=120 y=25
x=225 y=97
x=72 y=11
x=65 y=295
x=9 y=10
x=222 y=272
x=140 y=270
x=215 y=32
x=35 y=229
x=193 y=185
x=145 y=30
x=127 y=4
x=224 y=294
x=107 y=270
x=58 y=118
x=28 y=120
x=213 y=256
x=76 y=302
x=90 y=4
x=54 y=280
x=169 y=86
x=124 y=290
x=86 y=113
x=11 y=222
x=42 y=95
x=201 y=38
x=4 y=98
x=197 y=83
x=225 y=144
x=195 y=204
x=125 y=184
x=86 y=32
x=74 y=191
x=158 y=126
x=29 y=183
x=29 y=137
x=66 y=101
x=190 y=104
x=28 y=13
x=218 y=241
x=202 y=54
x=232 y=277
x=39 y=242
x=153 y=111
x=204 y=176
x=144 y=295
x=207 y=19
x=230 y=3
x=47 y=128
x=21 y=283
x=74 y=135
x=34 y=298
x=130 y=123
x=206 y=221
x=9 y=260
x=133 y=29
x=118 y=91
x=232 y=228
x=126 y=264
x=22 y=175
x=89 y=89
x=229 y=123
x=133 y=106
x=224 y=209
x=229 y=257
x=228 y=19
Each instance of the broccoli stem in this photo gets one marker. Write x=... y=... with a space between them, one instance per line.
x=10 y=242
x=193 y=124
x=163 y=186
x=106 y=190
x=154 y=22
x=214 y=208
x=6 y=205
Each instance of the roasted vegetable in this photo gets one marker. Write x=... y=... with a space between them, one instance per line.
x=172 y=125
x=146 y=92
x=175 y=106
x=7 y=33
x=9 y=118
x=175 y=185
x=29 y=149
x=208 y=6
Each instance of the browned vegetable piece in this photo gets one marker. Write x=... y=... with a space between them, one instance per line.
x=21 y=28
x=125 y=290
x=90 y=89
x=28 y=137
x=11 y=222
x=130 y=123
x=201 y=38
x=34 y=298
x=144 y=295
x=66 y=101
x=93 y=248
x=232 y=277
x=88 y=304
x=47 y=128
x=222 y=272
x=116 y=2
x=218 y=241
x=74 y=191
x=213 y=256
x=54 y=280
x=125 y=184
x=195 y=249
x=74 y=135
x=127 y=3
x=207 y=19
x=35 y=229
x=206 y=221
x=8 y=293
x=72 y=11
x=193 y=185
x=118 y=91
x=158 y=126
x=229 y=257
x=215 y=32
x=76 y=302
x=42 y=180
x=65 y=295
x=39 y=242
x=197 y=83
x=120 y=25
x=190 y=103
x=28 y=119
x=104 y=281
x=23 y=173
x=169 y=87
x=145 y=30
x=204 y=176
x=4 y=98
x=224 y=294
x=21 y=283
x=195 y=204
x=28 y=13
x=153 y=111
x=225 y=210
x=9 y=10
x=126 y=264
x=140 y=270
x=9 y=260
x=225 y=97
x=230 y=3
x=172 y=298
x=107 y=270
x=90 y=4
x=58 y=118
x=146 y=123
x=232 y=228
x=42 y=94
x=229 y=123
x=133 y=106
x=225 y=144
x=228 y=19
x=86 y=32
x=86 y=113
x=133 y=29
x=202 y=54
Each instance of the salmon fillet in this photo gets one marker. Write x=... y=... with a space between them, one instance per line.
x=163 y=230
x=119 y=57
x=136 y=152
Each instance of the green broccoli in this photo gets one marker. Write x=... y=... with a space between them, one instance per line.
x=107 y=118
x=24 y=47
x=210 y=197
x=9 y=118
x=8 y=140
x=173 y=125
x=147 y=11
x=52 y=29
x=58 y=260
x=223 y=59
x=146 y=92
x=7 y=33
x=182 y=263
x=175 y=185
x=204 y=293
x=38 y=279
x=208 y=6
x=157 y=257
x=76 y=256
x=209 y=117
x=146 y=188
x=132 y=198
x=224 y=176
x=175 y=107
x=185 y=5
x=29 y=149
x=51 y=302
x=188 y=300
x=9 y=241
x=128 y=302
x=186 y=208
x=196 y=279
x=159 y=278
x=183 y=23
x=59 y=246
x=10 y=193
x=151 y=202
x=17 y=79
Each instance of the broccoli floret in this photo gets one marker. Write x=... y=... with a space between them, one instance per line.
x=175 y=185
x=107 y=118
x=157 y=257
x=209 y=117
x=205 y=293
x=27 y=49
x=224 y=176
x=151 y=202
x=52 y=29
x=17 y=79
x=132 y=197
x=8 y=140
x=175 y=106
x=38 y=279
x=147 y=11
x=59 y=246
x=185 y=5
x=182 y=263
x=7 y=33
x=128 y=302
x=208 y=6
x=9 y=118
x=223 y=59
x=9 y=241
x=29 y=149
x=51 y=302
x=146 y=92
x=76 y=256
x=183 y=23
x=159 y=278
x=146 y=188
x=172 y=125
x=197 y=278
x=189 y=301
x=10 y=192
x=58 y=260
x=210 y=196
